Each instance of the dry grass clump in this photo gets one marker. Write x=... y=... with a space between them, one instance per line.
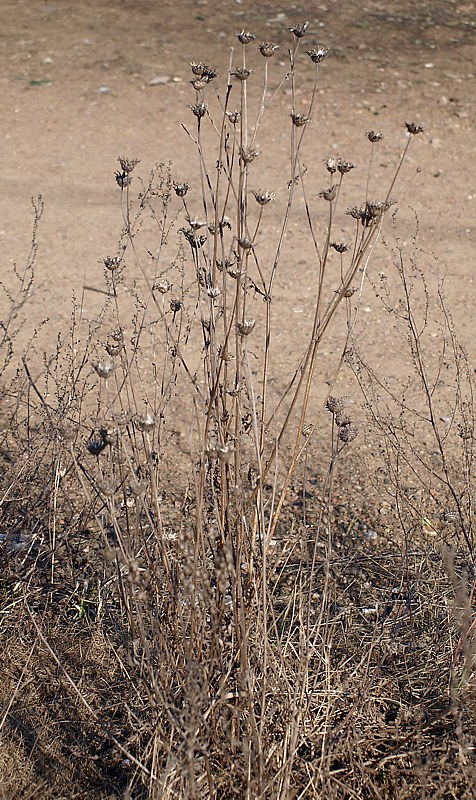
x=183 y=616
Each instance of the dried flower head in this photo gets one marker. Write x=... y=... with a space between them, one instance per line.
x=96 y=444
x=195 y=241
x=198 y=68
x=342 y=419
x=318 y=54
x=330 y=193
x=340 y=246
x=248 y=154
x=371 y=213
x=344 y=166
x=227 y=264
x=198 y=84
x=163 y=286
x=104 y=368
x=112 y=263
x=412 y=128
x=199 y=109
x=128 y=164
x=123 y=180
x=245 y=37
x=299 y=30
x=331 y=165
x=334 y=404
x=208 y=73
x=299 y=119
x=268 y=49
x=307 y=429
x=263 y=197
x=181 y=189
x=117 y=334
x=145 y=422
x=374 y=136
x=348 y=433
x=213 y=292
x=233 y=116
x=113 y=349
x=244 y=328
x=242 y=73
x=245 y=243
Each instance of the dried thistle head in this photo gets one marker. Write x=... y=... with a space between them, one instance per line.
x=198 y=84
x=263 y=197
x=112 y=263
x=299 y=30
x=267 y=49
x=299 y=119
x=128 y=164
x=208 y=73
x=348 y=433
x=198 y=68
x=244 y=328
x=162 y=285
x=340 y=247
x=145 y=422
x=330 y=193
x=123 y=180
x=342 y=419
x=318 y=54
x=344 y=166
x=331 y=165
x=248 y=154
x=374 y=136
x=334 y=404
x=413 y=128
x=242 y=73
x=245 y=37
x=233 y=116
x=104 y=368
x=199 y=109
x=181 y=189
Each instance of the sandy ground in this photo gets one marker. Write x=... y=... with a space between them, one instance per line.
x=86 y=81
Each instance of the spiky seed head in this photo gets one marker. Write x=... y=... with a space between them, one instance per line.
x=163 y=286
x=233 y=116
x=330 y=193
x=244 y=328
x=112 y=263
x=334 y=404
x=374 y=136
x=199 y=109
x=248 y=154
x=344 y=166
x=299 y=30
x=413 y=128
x=348 y=433
x=341 y=247
x=267 y=49
x=331 y=165
x=263 y=197
x=128 y=164
x=242 y=73
x=318 y=54
x=245 y=37
x=299 y=119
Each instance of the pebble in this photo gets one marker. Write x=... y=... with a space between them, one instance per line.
x=159 y=80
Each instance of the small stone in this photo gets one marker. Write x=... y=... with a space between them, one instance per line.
x=160 y=80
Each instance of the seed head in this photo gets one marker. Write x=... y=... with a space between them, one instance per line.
x=248 y=154
x=163 y=286
x=104 y=368
x=195 y=241
x=208 y=74
x=245 y=328
x=340 y=246
x=128 y=164
x=331 y=165
x=299 y=119
x=226 y=265
x=198 y=84
x=123 y=180
x=348 y=433
x=268 y=49
x=334 y=404
x=242 y=73
x=199 y=109
x=96 y=444
x=319 y=54
x=374 y=136
x=213 y=292
x=233 y=116
x=263 y=198
x=245 y=37
x=112 y=263
x=299 y=30
x=145 y=422
x=113 y=348
x=307 y=429
x=330 y=193
x=344 y=166
x=342 y=419
x=181 y=189
x=198 y=68
x=412 y=128
x=245 y=243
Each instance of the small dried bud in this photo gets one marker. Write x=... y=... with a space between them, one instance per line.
x=104 y=368
x=344 y=166
x=213 y=292
x=348 y=433
x=412 y=128
x=374 y=136
x=123 y=180
x=248 y=154
x=199 y=109
x=334 y=404
x=331 y=165
x=329 y=194
x=245 y=37
x=246 y=244
x=340 y=247
x=268 y=49
x=145 y=422
x=198 y=68
x=318 y=55
x=181 y=189
x=263 y=198
x=299 y=119
x=242 y=73
x=233 y=116
x=176 y=306
x=299 y=30
x=128 y=164
x=163 y=286
x=198 y=84
x=245 y=328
